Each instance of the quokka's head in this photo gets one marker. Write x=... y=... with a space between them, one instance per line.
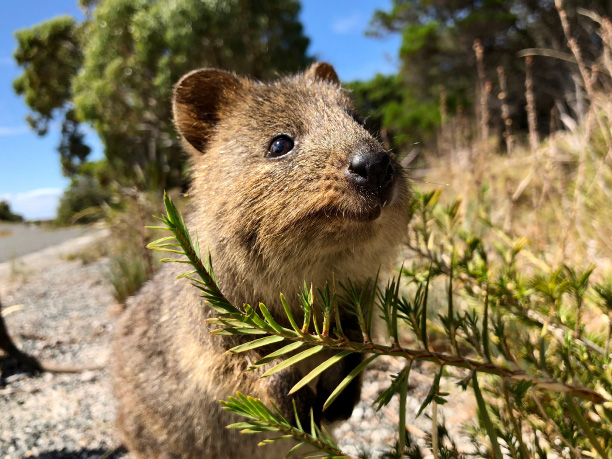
x=285 y=168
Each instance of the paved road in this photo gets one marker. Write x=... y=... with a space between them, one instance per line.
x=17 y=239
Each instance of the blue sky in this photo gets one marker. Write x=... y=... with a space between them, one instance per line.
x=30 y=171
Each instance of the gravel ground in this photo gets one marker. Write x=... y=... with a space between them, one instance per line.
x=58 y=311
x=61 y=311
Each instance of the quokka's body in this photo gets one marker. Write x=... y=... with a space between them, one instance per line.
x=287 y=187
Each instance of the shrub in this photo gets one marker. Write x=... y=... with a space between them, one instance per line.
x=82 y=202
x=512 y=331
x=7 y=215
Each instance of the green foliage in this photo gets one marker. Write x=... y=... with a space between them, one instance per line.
x=131 y=263
x=128 y=272
x=262 y=419
x=437 y=39
x=393 y=111
x=399 y=380
x=72 y=148
x=416 y=36
x=548 y=376
x=51 y=57
x=374 y=97
x=118 y=67
x=82 y=202
x=6 y=214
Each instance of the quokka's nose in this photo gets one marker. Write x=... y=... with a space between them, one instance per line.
x=371 y=170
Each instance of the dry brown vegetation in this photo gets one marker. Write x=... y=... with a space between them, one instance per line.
x=557 y=192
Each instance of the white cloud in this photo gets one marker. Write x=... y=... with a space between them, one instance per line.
x=13 y=130
x=348 y=24
x=39 y=204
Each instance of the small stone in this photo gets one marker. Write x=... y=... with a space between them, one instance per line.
x=14 y=378
x=88 y=376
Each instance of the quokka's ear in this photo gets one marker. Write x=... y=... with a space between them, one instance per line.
x=322 y=71
x=199 y=97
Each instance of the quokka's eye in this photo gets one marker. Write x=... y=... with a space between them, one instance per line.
x=280 y=146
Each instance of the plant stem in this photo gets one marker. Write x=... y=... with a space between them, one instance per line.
x=434 y=430
x=403 y=395
x=585 y=427
x=552 y=423
x=560 y=330
x=517 y=429
x=440 y=359
x=482 y=408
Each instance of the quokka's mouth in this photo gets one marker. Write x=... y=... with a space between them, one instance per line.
x=366 y=214
x=361 y=206
x=375 y=202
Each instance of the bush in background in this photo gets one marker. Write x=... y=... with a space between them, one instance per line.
x=7 y=215
x=82 y=202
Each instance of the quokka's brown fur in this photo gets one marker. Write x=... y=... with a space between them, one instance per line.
x=271 y=222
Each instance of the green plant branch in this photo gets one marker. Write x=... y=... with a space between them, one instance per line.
x=552 y=423
x=484 y=415
x=439 y=358
x=585 y=426
x=264 y=420
x=515 y=425
x=559 y=331
x=236 y=320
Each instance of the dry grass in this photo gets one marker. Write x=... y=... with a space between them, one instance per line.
x=556 y=192
x=90 y=254
x=132 y=263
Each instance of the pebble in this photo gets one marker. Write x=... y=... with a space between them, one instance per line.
x=88 y=376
